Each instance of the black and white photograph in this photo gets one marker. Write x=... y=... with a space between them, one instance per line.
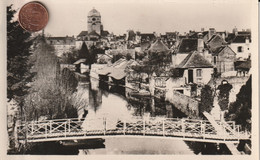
x=159 y=77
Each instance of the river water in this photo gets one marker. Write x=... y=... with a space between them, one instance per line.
x=111 y=102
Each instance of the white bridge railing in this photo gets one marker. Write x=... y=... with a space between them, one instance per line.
x=189 y=129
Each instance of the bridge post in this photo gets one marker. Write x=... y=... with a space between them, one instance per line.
x=124 y=126
x=46 y=131
x=50 y=127
x=238 y=134
x=183 y=126
x=104 y=124
x=32 y=124
x=65 y=126
x=69 y=125
x=143 y=126
x=163 y=128
x=202 y=128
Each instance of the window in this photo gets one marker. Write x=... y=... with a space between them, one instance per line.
x=215 y=60
x=198 y=72
x=240 y=49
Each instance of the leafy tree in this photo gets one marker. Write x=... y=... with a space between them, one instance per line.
x=223 y=97
x=207 y=99
x=69 y=57
x=240 y=110
x=18 y=53
x=51 y=90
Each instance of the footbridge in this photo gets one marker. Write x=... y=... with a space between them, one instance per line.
x=170 y=128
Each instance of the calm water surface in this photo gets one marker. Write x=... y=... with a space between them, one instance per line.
x=111 y=102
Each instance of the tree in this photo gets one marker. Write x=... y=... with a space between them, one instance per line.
x=84 y=52
x=207 y=99
x=240 y=110
x=51 y=90
x=223 y=97
x=18 y=53
x=69 y=57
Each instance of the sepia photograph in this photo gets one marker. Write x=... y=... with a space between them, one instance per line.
x=131 y=77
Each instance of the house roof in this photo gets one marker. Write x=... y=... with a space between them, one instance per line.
x=195 y=60
x=93 y=33
x=145 y=45
x=117 y=69
x=218 y=50
x=94 y=12
x=158 y=46
x=230 y=37
x=60 y=38
x=83 y=33
x=151 y=36
x=80 y=61
x=243 y=65
x=188 y=45
x=104 y=33
x=241 y=39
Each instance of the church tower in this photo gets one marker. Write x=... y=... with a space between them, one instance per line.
x=94 y=21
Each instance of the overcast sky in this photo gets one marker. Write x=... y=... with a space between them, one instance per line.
x=69 y=17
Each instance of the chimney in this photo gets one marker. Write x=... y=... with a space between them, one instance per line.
x=247 y=40
x=212 y=31
x=202 y=29
x=200 y=46
x=235 y=31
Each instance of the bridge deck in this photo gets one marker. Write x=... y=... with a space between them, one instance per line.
x=186 y=129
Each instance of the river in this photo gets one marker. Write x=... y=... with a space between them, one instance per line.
x=111 y=102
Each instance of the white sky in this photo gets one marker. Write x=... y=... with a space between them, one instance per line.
x=69 y=17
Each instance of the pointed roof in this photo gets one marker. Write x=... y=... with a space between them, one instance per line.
x=94 y=12
x=188 y=45
x=83 y=33
x=194 y=60
x=158 y=46
x=93 y=33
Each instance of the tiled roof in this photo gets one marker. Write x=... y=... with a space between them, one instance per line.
x=218 y=50
x=194 y=60
x=60 y=38
x=83 y=33
x=104 y=33
x=145 y=45
x=93 y=33
x=243 y=64
x=241 y=39
x=187 y=45
x=230 y=37
x=158 y=46
x=144 y=36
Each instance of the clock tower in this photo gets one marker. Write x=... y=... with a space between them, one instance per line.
x=94 y=21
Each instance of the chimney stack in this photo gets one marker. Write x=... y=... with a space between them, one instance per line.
x=200 y=46
x=212 y=31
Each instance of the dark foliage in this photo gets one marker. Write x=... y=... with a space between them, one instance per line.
x=240 y=110
x=18 y=52
x=223 y=97
x=207 y=99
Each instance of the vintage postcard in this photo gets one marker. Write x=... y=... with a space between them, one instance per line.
x=142 y=78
